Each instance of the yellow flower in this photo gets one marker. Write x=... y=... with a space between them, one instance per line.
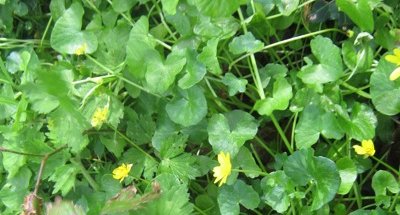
x=81 y=49
x=222 y=171
x=395 y=59
x=367 y=148
x=121 y=172
x=99 y=116
x=395 y=74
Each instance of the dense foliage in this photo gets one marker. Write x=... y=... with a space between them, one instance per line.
x=199 y=107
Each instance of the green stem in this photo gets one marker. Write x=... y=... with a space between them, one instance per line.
x=386 y=165
x=256 y=74
x=284 y=42
x=133 y=144
x=281 y=133
x=270 y=152
x=356 y=90
x=45 y=31
x=77 y=162
x=250 y=171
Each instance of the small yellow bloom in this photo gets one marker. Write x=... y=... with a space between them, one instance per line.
x=222 y=171
x=99 y=116
x=81 y=49
x=121 y=172
x=395 y=74
x=395 y=59
x=367 y=148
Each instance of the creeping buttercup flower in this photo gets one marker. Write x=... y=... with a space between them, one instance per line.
x=222 y=171
x=99 y=116
x=121 y=172
x=395 y=59
x=80 y=50
x=366 y=149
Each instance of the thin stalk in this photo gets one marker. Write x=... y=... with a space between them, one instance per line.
x=250 y=171
x=356 y=90
x=284 y=42
x=45 y=31
x=77 y=162
x=260 y=164
x=386 y=165
x=133 y=144
x=281 y=133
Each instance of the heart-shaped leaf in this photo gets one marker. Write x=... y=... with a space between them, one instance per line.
x=67 y=36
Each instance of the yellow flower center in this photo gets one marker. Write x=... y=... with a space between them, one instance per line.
x=99 y=116
x=121 y=172
x=81 y=49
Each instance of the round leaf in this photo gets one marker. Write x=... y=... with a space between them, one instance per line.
x=189 y=108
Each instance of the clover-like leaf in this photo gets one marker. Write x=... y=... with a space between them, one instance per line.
x=245 y=43
x=348 y=174
x=330 y=67
x=384 y=92
x=229 y=198
x=189 y=108
x=67 y=36
x=277 y=189
x=304 y=168
x=228 y=132
x=217 y=8
x=359 y=12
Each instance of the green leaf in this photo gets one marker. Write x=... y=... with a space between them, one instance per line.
x=64 y=178
x=246 y=161
x=228 y=132
x=13 y=192
x=195 y=71
x=304 y=168
x=140 y=128
x=277 y=189
x=384 y=92
x=67 y=35
x=169 y=6
x=121 y=6
x=363 y=122
x=174 y=200
x=383 y=181
x=330 y=67
x=286 y=7
x=282 y=93
x=234 y=84
x=359 y=12
x=168 y=70
x=230 y=197
x=313 y=122
x=189 y=108
x=66 y=129
x=182 y=166
x=209 y=57
x=217 y=28
x=217 y=8
x=245 y=43
x=141 y=48
x=110 y=185
x=348 y=174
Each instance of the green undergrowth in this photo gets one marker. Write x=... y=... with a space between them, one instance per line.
x=199 y=107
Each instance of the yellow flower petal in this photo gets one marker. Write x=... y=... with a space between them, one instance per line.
x=121 y=172
x=396 y=52
x=224 y=169
x=393 y=59
x=367 y=148
x=395 y=74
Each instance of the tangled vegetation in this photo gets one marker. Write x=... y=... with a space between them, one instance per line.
x=199 y=107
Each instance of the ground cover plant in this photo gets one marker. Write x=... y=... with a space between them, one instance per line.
x=199 y=107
